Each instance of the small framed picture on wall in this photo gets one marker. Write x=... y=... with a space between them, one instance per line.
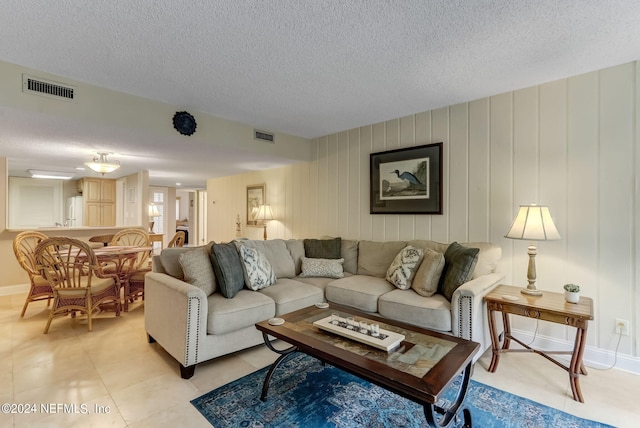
x=256 y=196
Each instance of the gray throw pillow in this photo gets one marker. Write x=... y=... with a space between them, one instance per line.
x=228 y=269
x=459 y=263
x=322 y=248
x=197 y=269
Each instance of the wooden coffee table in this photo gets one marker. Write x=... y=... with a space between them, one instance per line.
x=419 y=369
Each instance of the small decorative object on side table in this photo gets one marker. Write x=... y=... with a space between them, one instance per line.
x=548 y=307
x=572 y=293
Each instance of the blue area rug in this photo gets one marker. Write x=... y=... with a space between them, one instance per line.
x=304 y=393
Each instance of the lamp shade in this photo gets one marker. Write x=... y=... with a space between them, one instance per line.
x=264 y=213
x=153 y=211
x=533 y=223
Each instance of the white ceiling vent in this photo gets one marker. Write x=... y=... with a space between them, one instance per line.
x=264 y=136
x=36 y=85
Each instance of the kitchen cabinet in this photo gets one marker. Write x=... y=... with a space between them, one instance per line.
x=99 y=195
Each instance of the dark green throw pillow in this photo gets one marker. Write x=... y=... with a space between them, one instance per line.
x=459 y=263
x=322 y=248
x=228 y=269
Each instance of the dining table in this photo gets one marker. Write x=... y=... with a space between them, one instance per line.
x=123 y=258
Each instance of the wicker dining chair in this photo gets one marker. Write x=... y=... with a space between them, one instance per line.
x=77 y=279
x=24 y=245
x=177 y=240
x=134 y=284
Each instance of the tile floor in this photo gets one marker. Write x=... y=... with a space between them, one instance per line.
x=120 y=380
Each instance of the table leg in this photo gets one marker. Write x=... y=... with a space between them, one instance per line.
x=507 y=331
x=577 y=367
x=495 y=341
x=449 y=415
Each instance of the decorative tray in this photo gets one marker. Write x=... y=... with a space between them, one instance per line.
x=387 y=340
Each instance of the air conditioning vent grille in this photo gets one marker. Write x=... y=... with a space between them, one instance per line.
x=264 y=136
x=43 y=87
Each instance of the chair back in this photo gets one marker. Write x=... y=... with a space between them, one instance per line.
x=177 y=240
x=24 y=247
x=135 y=237
x=67 y=263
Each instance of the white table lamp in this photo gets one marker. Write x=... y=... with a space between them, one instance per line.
x=153 y=213
x=533 y=223
x=264 y=214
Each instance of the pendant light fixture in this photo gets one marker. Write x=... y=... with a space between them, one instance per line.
x=102 y=165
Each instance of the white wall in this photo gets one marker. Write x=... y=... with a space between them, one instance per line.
x=570 y=144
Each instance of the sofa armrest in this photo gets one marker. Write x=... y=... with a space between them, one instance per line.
x=175 y=315
x=468 y=310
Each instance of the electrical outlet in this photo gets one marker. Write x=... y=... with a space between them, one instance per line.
x=622 y=327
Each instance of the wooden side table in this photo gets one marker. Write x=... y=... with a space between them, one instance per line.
x=157 y=237
x=548 y=307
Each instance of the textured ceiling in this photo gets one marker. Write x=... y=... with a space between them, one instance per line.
x=307 y=68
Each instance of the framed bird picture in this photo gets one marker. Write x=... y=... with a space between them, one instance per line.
x=406 y=181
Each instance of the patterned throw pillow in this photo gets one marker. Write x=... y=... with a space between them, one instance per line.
x=197 y=269
x=324 y=268
x=459 y=263
x=404 y=267
x=257 y=270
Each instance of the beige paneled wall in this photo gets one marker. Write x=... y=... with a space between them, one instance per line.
x=570 y=144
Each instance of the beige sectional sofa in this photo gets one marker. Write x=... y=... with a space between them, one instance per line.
x=194 y=327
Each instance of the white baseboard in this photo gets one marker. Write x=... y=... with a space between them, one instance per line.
x=593 y=357
x=14 y=289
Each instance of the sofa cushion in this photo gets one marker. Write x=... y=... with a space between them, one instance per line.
x=275 y=250
x=197 y=269
x=228 y=269
x=244 y=310
x=327 y=268
x=459 y=263
x=433 y=313
x=316 y=281
x=290 y=295
x=404 y=267
x=425 y=283
x=256 y=269
x=296 y=249
x=374 y=258
x=170 y=259
x=432 y=245
x=322 y=248
x=349 y=252
x=358 y=291
x=488 y=257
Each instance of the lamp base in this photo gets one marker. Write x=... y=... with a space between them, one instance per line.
x=531 y=292
x=151 y=223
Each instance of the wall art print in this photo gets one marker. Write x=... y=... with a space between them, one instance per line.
x=256 y=196
x=407 y=181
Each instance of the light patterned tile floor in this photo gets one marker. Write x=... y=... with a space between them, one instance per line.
x=116 y=379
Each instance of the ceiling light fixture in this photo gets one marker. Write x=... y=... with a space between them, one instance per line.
x=55 y=175
x=102 y=165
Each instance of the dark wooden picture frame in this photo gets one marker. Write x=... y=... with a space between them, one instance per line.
x=406 y=181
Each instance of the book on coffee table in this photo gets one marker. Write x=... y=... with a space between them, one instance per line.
x=386 y=340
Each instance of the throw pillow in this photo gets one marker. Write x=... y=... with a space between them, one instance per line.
x=197 y=270
x=324 y=268
x=425 y=283
x=404 y=267
x=322 y=248
x=228 y=269
x=459 y=263
x=257 y=270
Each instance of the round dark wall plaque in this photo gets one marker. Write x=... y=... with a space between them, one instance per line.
x=184 y=123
